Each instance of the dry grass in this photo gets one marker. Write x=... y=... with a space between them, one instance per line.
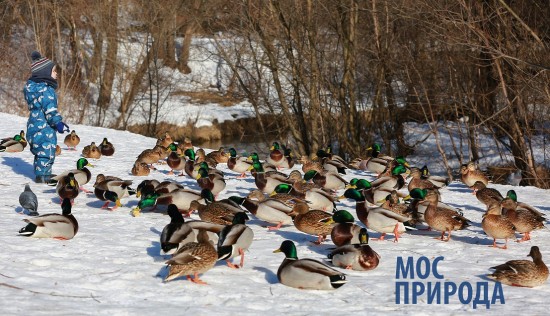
x=206 y=97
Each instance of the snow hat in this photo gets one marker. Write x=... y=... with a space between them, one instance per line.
x=41 y=66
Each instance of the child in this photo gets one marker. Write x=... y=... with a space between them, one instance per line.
x=44 y=120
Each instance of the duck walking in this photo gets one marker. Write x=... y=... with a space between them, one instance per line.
x=234 y=240
x=522 y=272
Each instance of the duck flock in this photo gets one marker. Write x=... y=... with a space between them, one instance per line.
x=336 y=202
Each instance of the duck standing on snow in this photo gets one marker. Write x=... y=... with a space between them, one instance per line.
x=28 y=201
x=91 y=151
x=58 y=226
x=81 y=173
x=469 y=174
x=345 y=231
x=72 y=140
x=107 y=188
x=67 y=187
x=307 y=274
x=497 y=226
x=234 y=240
x=238 y=164
x=313 y=222
x=522 y=272
x=525 y=220
x=357 y=256
x=193 y=259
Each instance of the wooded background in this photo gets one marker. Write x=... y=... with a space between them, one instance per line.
x=331 y=71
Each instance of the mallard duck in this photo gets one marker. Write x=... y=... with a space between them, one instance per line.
x=327 y=180
x=81 y=173
x=219 y=156
x=313 y=222
x=181 y=198
x=398 y=161
x=91 y=151
x=177 y=233
x=376 y=163
x=394 y=182
x=469 y=174
x=175 y=161
x=168 y=186
x=345 y=231
x=215 y=212
x=140 y=169
x=146 y=187
x=234 y=240
x=316 y=198
x=356 y=256
x=486 y=195
x=308 y=165
x=373 y=195
x=417 y=182
x=200 y=155
x=151 y=156
x=59 y=226
x=276 y=155
x=238 y=164
x=442 y=219
x=210 y=182
x=268 y=210
x=307 y=274
x=524 y=220
x=9 y=139
x=288 y=199
x=377 y=218
x=13 y=145
x=438 y=181
x=186 y=144
x=67 y=187
x=193 y=258
x=29 y=201
x=164 y=141
x=106 y=147
x=267 y=181
x=393 y=203
x=497 y=226
x=120 y=188
x=71 y=140
x=522 y=272
x=332 y=162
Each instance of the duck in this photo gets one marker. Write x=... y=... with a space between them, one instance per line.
x=376 y=163
x=81 y=173
x=288 y=199
x=238 y=164
x=313 y=222
x=373 y=195
x=254 y=157
x=8 y=139
x=210 y=182
x=438 y=181
x=62 y=226
x=331 y=162
x=106 y=147
x=234 y=240
x=140 y=169
x=345 y=231
x=377 y=218
x=91 y=151
x=193 y=259
x=486 y=195
x=307 y=274
x=181 y=198
x=356 y=256
x=394 y=182
x=327 y=180
x=276 y=155
x=268 y=210
x=417 y=182
x=442 y=219
x=316 y=198
x=392 y=202
x=168 y=186
x=67 y=187
x=398 y=161
x=497 y=226
x=267 y=181
x=186 y=144
x=191 y=163
x=13 y=145
x=120 y=188
x=524 y=220
x=469 y=174
x=177 y=233
x=175 y=161
x=29 y=201
x=523 y=273
x=215 y=212
x=309 y=164
x=151 y=156
x=72 y=140
x=219 y=156
x=164 y=141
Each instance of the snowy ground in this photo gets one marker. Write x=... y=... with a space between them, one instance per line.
x=114 y=267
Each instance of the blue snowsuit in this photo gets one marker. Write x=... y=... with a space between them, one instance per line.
x=41 y=126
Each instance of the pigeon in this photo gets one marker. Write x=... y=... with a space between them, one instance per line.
x=28 y=201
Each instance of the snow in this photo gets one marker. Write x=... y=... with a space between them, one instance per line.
x=113 y=266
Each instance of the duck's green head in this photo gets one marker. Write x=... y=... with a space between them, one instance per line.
x=254 y=157
x=202 y=173
x=322 y=154
x=207 y=195
x=289 y=249
x=237 y=199
x=310 y=174
x=363 y=184
x=17 y=138
x=275 y=146
x=282 y=188
x=343 y=216
x=376 y=148
x=399 y=169
x=418 y=193
x=240 y=218
x=66 y=206
x=354 y=194
x=204 y=165
x=148 y=201
x=402 y=161
x=112 y=196
x=257 y=166
x=190 y=153
x=512 y=195
x=81 y=163
x=233 y=152
x=363 y=236
x=173 y=147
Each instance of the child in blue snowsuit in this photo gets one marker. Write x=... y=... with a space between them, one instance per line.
x=44 y=120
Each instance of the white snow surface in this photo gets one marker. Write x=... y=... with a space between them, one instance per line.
x=113 y=266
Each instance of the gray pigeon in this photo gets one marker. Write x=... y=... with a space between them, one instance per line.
x=28 y=201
